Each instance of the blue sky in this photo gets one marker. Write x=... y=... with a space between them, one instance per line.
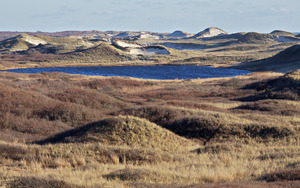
x=150 y=15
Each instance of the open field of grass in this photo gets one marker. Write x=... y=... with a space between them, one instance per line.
x=60 y=130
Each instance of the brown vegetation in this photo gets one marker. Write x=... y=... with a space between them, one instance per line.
x=286 y=175
x=77 y=119
x=34 y=182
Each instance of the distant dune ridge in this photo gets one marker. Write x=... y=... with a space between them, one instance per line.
x=212 y=46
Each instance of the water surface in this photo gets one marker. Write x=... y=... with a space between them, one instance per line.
x=147 y=72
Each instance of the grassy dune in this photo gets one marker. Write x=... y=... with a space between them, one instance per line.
x=285 y=61
x=70 y=130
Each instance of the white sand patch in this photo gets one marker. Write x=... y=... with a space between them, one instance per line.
x=127 y=45
x=136 y=51
x=156 y=51
x=148 y=36
x=34 y=40
x=149 y=51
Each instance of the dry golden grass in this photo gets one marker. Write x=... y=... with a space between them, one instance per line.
x=85 y=164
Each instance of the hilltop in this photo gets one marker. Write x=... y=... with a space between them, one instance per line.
x=283 y=33
x=209 y=32
x=179 y=34
x=256 y=38
x=20 y=43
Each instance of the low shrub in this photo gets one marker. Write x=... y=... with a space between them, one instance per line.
x=271 y=106
x=14 y=152
x=35 y=182
x=284 y=175
x=71 y=114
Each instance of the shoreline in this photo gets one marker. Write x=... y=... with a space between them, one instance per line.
x=117 y=64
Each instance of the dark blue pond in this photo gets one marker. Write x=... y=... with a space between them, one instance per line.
x=147 y=72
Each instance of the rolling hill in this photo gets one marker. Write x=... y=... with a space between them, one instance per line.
x=104 y=52
x=124 y=130
x=20 y=43
x=285 y=61
x=256 y=38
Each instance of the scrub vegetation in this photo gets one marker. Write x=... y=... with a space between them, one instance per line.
x=70 y=130
x=62 y=130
